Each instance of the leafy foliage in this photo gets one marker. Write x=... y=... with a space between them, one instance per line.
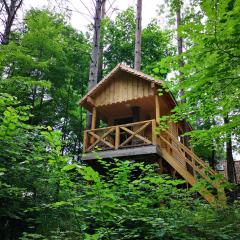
x=119 y=37
x=47 y=69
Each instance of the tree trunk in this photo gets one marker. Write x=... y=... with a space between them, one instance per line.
x=93 y=72
x=181 y=64
x=180 y=50
x=138 y=39
x=100 y=56
x=231 y=172
x=11 y=11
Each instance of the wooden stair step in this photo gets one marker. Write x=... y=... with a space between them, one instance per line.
x=186 y=175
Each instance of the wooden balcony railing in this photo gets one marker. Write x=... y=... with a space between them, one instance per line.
x=198 y=168
x=120 y=136
x=195 y=168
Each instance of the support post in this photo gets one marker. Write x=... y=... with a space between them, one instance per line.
x=85 y=142
x=160 y=166
x=117 y=137
x=154 y=137
x=93 y=123
x=94 y=118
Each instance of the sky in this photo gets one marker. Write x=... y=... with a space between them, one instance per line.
x=81 y=9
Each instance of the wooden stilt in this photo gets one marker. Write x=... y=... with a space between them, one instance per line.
x=93 y=123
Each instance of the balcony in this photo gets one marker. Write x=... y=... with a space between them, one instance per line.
x=130 y=139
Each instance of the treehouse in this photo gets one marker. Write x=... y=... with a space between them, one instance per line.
x=128 y=104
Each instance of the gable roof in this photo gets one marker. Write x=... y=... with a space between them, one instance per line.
x=118 y=68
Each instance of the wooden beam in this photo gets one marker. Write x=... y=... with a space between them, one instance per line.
x=117 y=137
x=154 y=136
x=94 y=118
x=124 y=152
x=85 y=142
x=91 y=101
x=160 y=162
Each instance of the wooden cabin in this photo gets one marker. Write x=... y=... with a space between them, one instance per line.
x=126 y=108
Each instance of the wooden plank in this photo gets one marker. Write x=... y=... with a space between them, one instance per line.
x=135 y=88
x=145 y=88
x=122 y=125
x=94 y=118
x=121 y=90
x=125 y=152
x=91 y=101
x=134 y=124
x=125 y=90
x=117 y=137
x=160 y=163
x=85 y=142
x=154 y=136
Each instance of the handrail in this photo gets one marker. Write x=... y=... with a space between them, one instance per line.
x=181 y=149
x=121 y=125
x=189 y=152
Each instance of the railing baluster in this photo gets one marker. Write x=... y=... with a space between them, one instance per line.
x=117 y=137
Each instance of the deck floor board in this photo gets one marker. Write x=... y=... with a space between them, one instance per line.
x=124 y=152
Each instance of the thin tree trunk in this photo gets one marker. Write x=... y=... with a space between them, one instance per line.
x=95 y=53
x=11 y=11
x=100 y=56
x=180 y=50
x=181 y=64
x=138 y=38
x=231 y=172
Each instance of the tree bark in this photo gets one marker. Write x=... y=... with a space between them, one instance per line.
x=100 y=57
x=231 y=171
x=11 y=11
x=138 y=38
x=93 y=72
x=180 y=49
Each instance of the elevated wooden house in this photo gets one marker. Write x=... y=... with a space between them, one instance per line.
x=127 y=101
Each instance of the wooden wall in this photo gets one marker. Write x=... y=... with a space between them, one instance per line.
x=125 y=87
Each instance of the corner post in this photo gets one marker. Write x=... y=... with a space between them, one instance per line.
x=93 y=123
x=94 y=117
x=85 y=142
x=154 y=137
x=117 y=137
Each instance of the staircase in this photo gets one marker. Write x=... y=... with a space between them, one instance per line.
x=191 y=167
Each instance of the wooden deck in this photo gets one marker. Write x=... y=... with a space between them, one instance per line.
x=143 y=151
